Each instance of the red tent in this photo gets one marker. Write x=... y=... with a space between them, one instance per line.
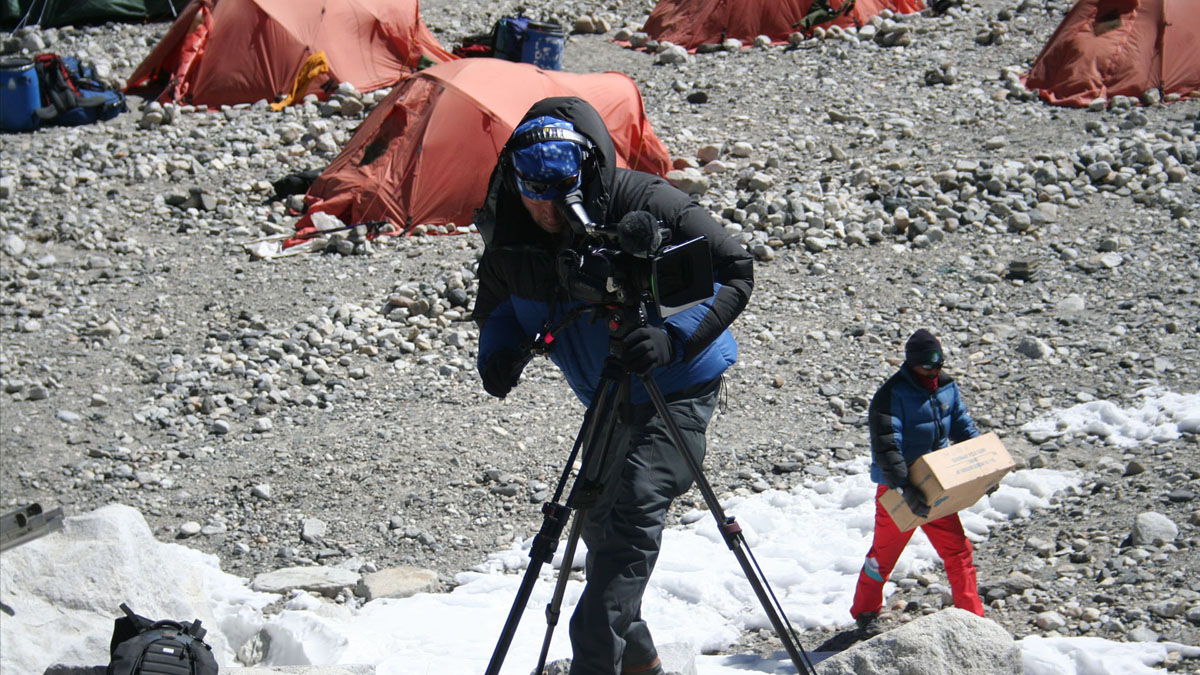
x=241 y=51
x=1106 y=48
x=691 y=23
x=424 y=154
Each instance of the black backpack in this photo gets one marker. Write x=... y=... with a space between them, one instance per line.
x=141 y=646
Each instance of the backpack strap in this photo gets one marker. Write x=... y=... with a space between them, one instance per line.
x=167 y=624
x=139 y=622
x=58 y=92
x=195 y=630
x=125 y=627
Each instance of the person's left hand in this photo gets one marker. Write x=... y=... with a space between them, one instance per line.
x=645 y=349
x=915 y=500
x=501 y=372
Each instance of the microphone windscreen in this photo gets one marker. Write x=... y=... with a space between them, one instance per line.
x=639 y=233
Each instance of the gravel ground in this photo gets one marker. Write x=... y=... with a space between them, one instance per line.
x=148 y=360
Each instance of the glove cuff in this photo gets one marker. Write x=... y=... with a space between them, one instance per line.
x=677 y=342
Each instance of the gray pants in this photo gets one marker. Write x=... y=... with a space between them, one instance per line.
x=623 y=532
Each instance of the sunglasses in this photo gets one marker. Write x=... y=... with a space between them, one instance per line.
x=560 y=186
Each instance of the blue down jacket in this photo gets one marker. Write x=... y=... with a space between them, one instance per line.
x=907 y=421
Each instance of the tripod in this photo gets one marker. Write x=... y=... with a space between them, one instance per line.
x=595 y=440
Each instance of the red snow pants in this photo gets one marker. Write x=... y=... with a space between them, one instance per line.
x=946 y=535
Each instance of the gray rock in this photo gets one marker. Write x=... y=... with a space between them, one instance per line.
x=1142 y=634
x=1151 y=528
x=1034 y=348
x=691 y=181
x=398 y=582
x=949 y=642
x=13 y=245
x=312 y=530
x=1050 y=621
x=328 y=581
x=1071 y=305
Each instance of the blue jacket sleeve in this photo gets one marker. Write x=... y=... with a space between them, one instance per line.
x=962 y=427
x=494 y=313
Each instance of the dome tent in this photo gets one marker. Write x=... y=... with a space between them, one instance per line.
x=1106 y=48
x=221 y=52
x=691 y=23
x=424 y=154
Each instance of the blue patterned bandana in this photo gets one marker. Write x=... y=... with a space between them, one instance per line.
x=550 y=169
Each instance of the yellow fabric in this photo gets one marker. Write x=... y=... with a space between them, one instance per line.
x=314 y=66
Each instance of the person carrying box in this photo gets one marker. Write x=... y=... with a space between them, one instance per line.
x=918 y=410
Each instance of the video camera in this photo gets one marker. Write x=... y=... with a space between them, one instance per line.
x=633 y=261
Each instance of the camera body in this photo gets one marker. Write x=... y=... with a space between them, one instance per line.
x=629 y=264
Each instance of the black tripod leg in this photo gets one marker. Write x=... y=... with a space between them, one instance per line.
x=554 y=607
x=555 y=518
x=595 y=436
x=732 y=534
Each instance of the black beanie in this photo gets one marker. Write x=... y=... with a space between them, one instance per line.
x=923 y=349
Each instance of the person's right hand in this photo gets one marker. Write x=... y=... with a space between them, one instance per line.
x=915 y=500
x=501 y=372
x=646 y=348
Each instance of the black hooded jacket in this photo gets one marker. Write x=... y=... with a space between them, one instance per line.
x=518 y=285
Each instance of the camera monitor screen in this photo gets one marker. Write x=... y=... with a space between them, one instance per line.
x=682 y=276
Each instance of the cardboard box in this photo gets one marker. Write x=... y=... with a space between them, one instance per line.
x=951 y=479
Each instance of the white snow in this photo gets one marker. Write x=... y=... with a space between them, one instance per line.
x=809 y=542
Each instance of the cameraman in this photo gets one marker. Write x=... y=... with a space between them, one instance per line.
x=562 y=150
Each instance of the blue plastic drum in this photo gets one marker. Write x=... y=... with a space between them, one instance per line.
x=20 y=94
x=543 y=46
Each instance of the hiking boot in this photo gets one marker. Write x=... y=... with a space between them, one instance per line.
x=869 y=625
x=652 y=668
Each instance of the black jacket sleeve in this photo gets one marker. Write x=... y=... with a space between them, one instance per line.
x=885 y=432
x=733 y=266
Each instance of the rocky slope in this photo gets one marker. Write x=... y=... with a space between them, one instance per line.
x=324 y=407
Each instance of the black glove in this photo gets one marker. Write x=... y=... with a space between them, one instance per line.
x=915 y=500
x=645 y=349
x=501 y=372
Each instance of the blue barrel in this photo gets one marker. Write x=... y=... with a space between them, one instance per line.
x=543 y=46
x=20 y=94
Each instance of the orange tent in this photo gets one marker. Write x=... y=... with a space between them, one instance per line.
x=691 y=23
x=424 y=154
x=1106 y=48
x=240 y=51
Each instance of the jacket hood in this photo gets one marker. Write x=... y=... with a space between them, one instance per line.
x=502 y=219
